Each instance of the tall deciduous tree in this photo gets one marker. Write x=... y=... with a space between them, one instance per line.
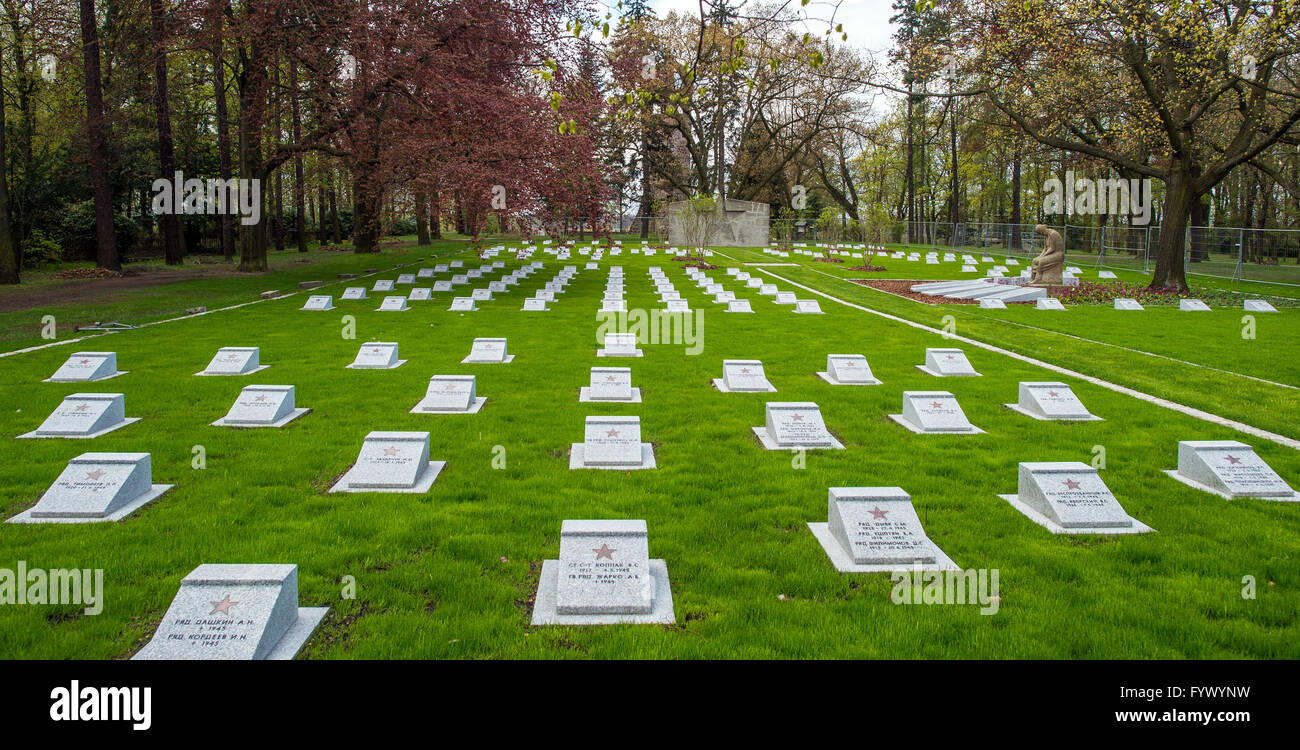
x=97 y=138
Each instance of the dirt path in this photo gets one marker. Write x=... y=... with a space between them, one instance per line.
x=49 y=291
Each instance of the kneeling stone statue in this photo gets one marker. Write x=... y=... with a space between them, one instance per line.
x=1046 y=268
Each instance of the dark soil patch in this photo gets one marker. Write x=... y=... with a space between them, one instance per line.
x=868 y=267
x=829 y=260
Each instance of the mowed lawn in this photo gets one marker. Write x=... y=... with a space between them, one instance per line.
x=451 y=574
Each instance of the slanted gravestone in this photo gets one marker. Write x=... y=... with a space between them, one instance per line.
x=450 y=394
x=992 y=304
x=85 y=367
x=807 y=307
x=784 y=298
x=876 y=530
x=1069 y=497
x=604 y=576
x=354 y=292
x=1192 y=305
x=848 y=369
x=946 y=363
x=96 y=487
x=459 y=279
x=235 y=360
x=462 y=304
x=382 y=285
x=1123 y=303
x=488 y=351
x=620 y=345
x=84 y=416
x=1049 y=303
x=794 y=425
x=934 y=412
x=743 y=376
x=1229 y=469
x=319 y=302
x=235 y=613
x=393 y=304
x=1106 y=275
x=612 y=443
x=262 y=406
x=419 y=294
x=377 y=355
x=481 y=295
x=1051 y=401
x=610 y=384
x=392 y=462
x=535 y=304
x=613 y=306
x=424 y=273
x=1258 y=305
x=739 y=306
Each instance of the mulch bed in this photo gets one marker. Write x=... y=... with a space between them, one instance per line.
x=903 y=288
x=866 y=268
x=829 y=260
x=89 y=273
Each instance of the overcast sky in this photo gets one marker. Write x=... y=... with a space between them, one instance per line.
x=866 y=21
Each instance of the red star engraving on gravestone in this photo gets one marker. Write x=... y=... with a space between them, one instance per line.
x=611 y=433
x=935 y=404
x=797 y=418
x=1232 y=459
x=222 y=606
x=951 y=356
x=82 y=407
x=849 y=363
x=391 y=451
x=375 y=350
x=604 y=552
x=96 y=474
x=1053 y=394
x=610 y=379
x=877 y=513
x=85 y=361
x=260 y=398
x=1070 y=484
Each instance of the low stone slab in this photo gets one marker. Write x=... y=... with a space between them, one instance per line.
x=84 y=367
x=947 y=363
x=319 y=302
x=262 y=406
x=612 y=443
x=450 y=394
x=488 y=351
x=876 y=530
x=1069 y=497
x=604 y=576
x=1230 y=470
x=377 y=355
x=620 y=345
x=848 y=369
x=96 y=487
x=1051 y=401
x=743 y=376
x=610 y=385
x=82 y=416
x=392 y=462
x=795 y=425
x=393 y=304
x=235 y=612
x=235 y=360
x=934 y=413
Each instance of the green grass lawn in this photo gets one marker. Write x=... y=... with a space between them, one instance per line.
x=451 y=574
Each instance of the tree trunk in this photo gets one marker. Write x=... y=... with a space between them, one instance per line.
x=106 y=240
x=299 y=189
x=435 y=217
x=225 y=162
x=252 y=92
x=277 y=216
x=9 y=260
x=1015 y=202
x=173 y=249
x=336 y=234
x=1170 y=271
x=647 y=194
x=365 y=218
x=421 y=223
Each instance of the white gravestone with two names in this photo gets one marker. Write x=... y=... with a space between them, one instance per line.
x=382 y=285
x=784 y=298
x=354 y=292
x=795 y=425
x=86 y=366
x=391 y=462
x=612 y=443
x=848 y=369
x=947 y=363
x=1049 y=303
x=1051 y=401
x=393 y=304
x=993 y=304
x=488 y=351
x=420 y=294
x=739 y=306
x=1258 y=305
x=613 y=306
x=235 y=360
x=262 y=406
x=807 y=307
x=319 y=302
x=1069 y=497
x=84 y=416
x=535 y=304
x=235 y=613
x=1192 y=305
x=620 y=345
x=406 y=278
x=610 y=384
x=934 y=413
x=463 y=304
x=451 y=394
x=96 y=487
x=1125 y=303
x=377 y=355
x=743 y=376
x=1230 y=470
x=604 y=576
x=876 y=530
x=442 y=286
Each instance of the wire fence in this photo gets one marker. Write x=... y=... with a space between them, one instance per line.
x=1263 y=255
